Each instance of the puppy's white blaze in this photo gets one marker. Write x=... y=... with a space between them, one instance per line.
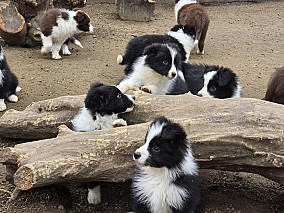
x=186 y=40
x=154 y=130
x=84 y=121
x=94 y=195
x=173 y=71
x=207 y=77
x=180 y=4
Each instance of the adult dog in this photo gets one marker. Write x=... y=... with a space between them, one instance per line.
x=8 y=82
x=156 y=71
x=103 y=104
x=57 y=25
x=211 y=81
x=166 y=179
x=189 y=12
x=275 y=87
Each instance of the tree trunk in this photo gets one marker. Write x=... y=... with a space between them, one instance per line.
x=234 y=134
x=135 y=10
x=13 y=28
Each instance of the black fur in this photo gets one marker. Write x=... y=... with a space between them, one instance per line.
x=8 y=80
x=224 y=84
x=167 y=150
x=106 y=100
x=136 y=46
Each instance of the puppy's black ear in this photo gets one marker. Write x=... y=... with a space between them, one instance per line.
x=151 y=50
x=225 y=76
x=190 y=30
x=79 y=16
x=93 y=99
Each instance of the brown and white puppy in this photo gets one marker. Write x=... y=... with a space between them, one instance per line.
x=189 y=12
x=275 y=87
x=57 y=25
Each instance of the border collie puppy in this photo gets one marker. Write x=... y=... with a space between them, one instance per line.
x=8 y=82
x=211 y=81
x=155 y=71
x=275 y=87
x=167 y=177
x=189 y=12
x=103 y=104
x=57 y=25
x=182 y=36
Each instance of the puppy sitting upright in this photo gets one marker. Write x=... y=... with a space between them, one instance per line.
x=166 y=179
x=57 y=25
x=189 y=12
x=8 y=82
x=103 y=103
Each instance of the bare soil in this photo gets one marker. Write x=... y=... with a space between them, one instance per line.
x=247 y=37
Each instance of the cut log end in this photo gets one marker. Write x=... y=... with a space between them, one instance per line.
x=24 y=178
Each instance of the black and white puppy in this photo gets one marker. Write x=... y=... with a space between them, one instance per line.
x=211 y=81
x=155 y=71
x=182 y=36
x=103 y=104
x=57 y=25
x=167 y=177
x=8 y=82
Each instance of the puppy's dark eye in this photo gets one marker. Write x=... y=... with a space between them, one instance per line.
x=165 y=62
x=118 y=95
x=213 y=88
x=156 y=149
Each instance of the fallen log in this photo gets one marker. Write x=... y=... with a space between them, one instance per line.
x=135 y=10
x=233 y=134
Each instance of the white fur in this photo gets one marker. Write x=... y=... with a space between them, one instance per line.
x=78 y=43
x=2 y=55
x=61 y=32
x=147 y=78
x=187 y=41
x=13 y=98
x=84 y=121
x=18 y=89
x=119 y=59
x=182 y=3
x=2 y=105
x=156 y=185
x=94 y=195
x=207 y=77
x=238 y=92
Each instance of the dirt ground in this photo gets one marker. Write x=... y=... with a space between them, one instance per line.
x=247 y=37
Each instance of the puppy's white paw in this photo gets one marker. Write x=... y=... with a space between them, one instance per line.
x=13 y=98
x=118 y=123
x=119 y=59
x=18 y=89
x=2 y=105
x=66 y=52
x=94 y=195
x=56 y=56
x=45 y=49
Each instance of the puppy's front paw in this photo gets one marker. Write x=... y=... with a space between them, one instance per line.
x=2 y=105
x=118 y=123
x=146 y=89
x=94 y=195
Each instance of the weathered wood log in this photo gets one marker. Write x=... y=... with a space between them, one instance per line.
x=13 y=28
x=233 y=134
x=69 y=4
x=41 y=119
x=135 y=10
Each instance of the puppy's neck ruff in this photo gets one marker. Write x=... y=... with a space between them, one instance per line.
x=156 y=185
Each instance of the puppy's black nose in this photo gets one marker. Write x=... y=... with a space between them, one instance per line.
x=137 y=155
x=133 y=97
x=174 y=74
